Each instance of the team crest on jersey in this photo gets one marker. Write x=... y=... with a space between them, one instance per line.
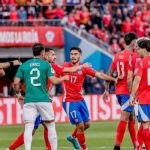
x=80 y=72
x=121 y=56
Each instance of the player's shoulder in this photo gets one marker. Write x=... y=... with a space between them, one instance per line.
x=36 y=62
x=67 y=64
x=145 y=62
x=122 y=55
x=56 y=65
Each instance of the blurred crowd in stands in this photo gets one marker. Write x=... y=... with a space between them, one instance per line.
x=108 y=20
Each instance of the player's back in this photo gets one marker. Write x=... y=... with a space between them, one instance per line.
x=144 y=88
x=121 y=64
x=135 y=58
x=35 y=72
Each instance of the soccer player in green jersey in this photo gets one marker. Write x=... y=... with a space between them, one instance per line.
x=35 y=73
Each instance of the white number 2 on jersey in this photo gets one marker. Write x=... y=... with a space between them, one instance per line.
x=33 y=79
x=120 y=69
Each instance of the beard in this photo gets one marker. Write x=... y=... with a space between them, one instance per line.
x=75 y=61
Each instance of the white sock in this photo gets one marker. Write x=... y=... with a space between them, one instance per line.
x=52 y=136
x=28 y=135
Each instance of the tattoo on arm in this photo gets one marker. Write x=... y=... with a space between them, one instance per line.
x=130 y=85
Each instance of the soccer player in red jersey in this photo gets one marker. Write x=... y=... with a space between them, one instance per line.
x=120 y=64
x=50 y=56
x=73 y=101
x=134 y=62
x=141 y=90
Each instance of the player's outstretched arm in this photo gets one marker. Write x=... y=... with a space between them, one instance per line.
x=104 y=76
x=55 y=80
x=76 y=68
x=9 y=64
x=135 y=87
x=106 y=84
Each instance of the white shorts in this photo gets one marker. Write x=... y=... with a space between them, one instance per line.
x=32 y=110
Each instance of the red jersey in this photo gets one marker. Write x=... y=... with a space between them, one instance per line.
x=120 y=64
x=135 y=58
x=58 y=71
x=143 y=70
x=72 y=89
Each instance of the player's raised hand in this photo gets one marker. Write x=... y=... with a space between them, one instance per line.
x=132 y=100
x=16 y=63
x=105 y=96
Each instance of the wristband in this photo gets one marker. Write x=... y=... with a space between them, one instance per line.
x=11 y=63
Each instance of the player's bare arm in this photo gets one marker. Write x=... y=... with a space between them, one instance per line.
x=130 y=79
x=106 y=92
x=55 y=80
x=9 y=64
x=17 y=89
x=105 y=76
x=135 y=87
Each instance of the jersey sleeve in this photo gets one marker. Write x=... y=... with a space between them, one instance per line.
x=50 y=71
x=19 y=73
x=138 y=71
x=90 y=71
x=58 y=69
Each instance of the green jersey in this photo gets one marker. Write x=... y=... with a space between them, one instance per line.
x=35 y=73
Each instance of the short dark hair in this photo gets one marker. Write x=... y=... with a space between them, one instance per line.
x=76 y=48
x=37 y=48
x=129 y=37
x=47 y=49
x=144 y=43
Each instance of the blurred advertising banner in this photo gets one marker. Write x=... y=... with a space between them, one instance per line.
x=11 y=111
x=27 y=36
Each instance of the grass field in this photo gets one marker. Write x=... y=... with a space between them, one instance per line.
x=100 y=136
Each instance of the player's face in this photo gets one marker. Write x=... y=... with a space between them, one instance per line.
x=43 y=54
x=50 y=56
x=140 y=51
x=75 y=56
